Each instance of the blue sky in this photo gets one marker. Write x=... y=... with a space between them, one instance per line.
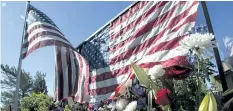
x=78 y=20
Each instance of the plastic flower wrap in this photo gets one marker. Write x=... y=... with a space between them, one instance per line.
x=141 y=103
x=121 y=104
x=131 y=106
x=112 y=106
x=200 y=44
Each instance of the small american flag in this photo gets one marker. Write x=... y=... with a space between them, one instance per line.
x=41 y=31
x=71 y=68
x=147 y=34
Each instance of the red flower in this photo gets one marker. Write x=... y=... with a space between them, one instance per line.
x=163 y=97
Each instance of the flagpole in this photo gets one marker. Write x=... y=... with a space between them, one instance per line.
x=216 y=52
x=20 y=61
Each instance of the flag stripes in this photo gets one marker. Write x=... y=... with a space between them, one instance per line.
x=72 y=73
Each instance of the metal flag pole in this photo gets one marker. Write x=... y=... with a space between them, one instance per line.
x=20 y=62
x=216 y=52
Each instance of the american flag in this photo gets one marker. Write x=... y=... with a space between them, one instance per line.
x=71 y=68
x=147 y=34
x=41 y=31
x=71 y=73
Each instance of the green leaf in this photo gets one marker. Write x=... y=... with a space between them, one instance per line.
x=141 y=75
x=227 y=92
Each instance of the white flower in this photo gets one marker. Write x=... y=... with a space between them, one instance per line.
x=128 y=83
x=122 y=90
x=131 y=106
x=156 y=71
x=200 y=44
x=121 y=104
x=124 y=87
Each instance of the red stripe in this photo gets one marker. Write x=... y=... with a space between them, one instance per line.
x=154 y=23
x=191 y=18
x=69 y=71
x=60 y=73
x=109 y=75
x=150 y=41
x=41 y=26
x=129 y=13
x=43 y=33
x=109 y=89
x=87 y=76
x=168 y=45
x=104 y=90
x=45 y=43
x=77 y=74
x=138 y=20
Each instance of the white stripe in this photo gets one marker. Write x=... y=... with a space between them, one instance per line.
x=81 y=79
x=108 y=82
x=140 y=54
x=77 y=93
x=44 y=38
x=141 y=39
x=157 y=13
x=155 y=57
x=40 y=30
x=65 y=72
x=98 y=98
x=133 y=17
x=164 y=55
x=40 y=23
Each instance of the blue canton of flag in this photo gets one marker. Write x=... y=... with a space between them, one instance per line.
x=96 y=51
x=35 y=15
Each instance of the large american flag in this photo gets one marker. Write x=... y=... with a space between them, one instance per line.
x=71 y=68
x=147 y=34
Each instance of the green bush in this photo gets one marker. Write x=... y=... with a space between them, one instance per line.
x=36 y=102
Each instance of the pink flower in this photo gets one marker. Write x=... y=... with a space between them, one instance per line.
x=163 y=97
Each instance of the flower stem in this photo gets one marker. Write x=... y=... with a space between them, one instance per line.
x=198 y=83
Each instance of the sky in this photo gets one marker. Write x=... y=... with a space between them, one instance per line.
x=78 y=20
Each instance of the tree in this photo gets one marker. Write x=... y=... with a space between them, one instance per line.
x=36 y=102
x=8 y=84
x=39 y=83
x=27 y=84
